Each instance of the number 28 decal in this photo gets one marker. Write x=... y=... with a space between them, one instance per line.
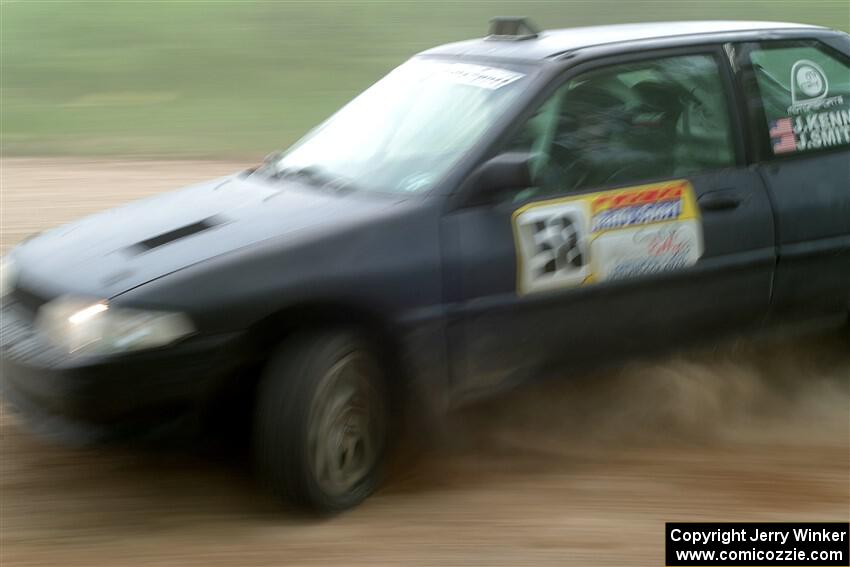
x=619 y=234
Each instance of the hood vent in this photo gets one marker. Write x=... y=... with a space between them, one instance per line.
x=176 y=234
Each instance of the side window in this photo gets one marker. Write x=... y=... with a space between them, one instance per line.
x=804 y=92
x=631 y=122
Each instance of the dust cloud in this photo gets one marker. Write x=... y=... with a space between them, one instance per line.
x=731 y=390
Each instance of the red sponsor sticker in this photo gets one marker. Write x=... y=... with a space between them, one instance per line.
x=630 y=198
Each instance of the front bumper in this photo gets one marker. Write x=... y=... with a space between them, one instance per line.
x=93 y=399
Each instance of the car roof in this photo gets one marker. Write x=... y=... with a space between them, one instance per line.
x=551 y=43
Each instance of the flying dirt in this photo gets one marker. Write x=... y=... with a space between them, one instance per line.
x=578 y=471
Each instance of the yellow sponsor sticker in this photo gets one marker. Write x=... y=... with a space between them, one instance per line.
x=608 y=235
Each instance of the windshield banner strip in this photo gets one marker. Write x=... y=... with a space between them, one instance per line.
x=490 y=78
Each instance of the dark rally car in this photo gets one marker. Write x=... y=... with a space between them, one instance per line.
x=490 y=211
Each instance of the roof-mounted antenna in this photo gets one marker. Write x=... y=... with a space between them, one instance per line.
x=512 y=29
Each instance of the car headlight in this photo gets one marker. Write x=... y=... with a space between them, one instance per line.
x=80 y=326
x=8 y=274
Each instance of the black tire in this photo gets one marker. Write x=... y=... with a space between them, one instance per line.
x=321 y=419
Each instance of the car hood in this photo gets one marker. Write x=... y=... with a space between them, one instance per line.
x=106 y=254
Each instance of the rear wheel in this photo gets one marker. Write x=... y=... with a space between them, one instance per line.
x=321 y=421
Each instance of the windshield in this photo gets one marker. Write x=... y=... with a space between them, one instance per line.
x=407 y=130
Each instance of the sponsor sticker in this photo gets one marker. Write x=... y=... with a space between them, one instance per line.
x=647 y=250
x=809 y=88
x=480 y=76
x=619 y=209
x=618 y=234
x=815 y=120
x=490 y=78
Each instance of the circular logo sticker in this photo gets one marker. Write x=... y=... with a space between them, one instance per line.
x=810 y=80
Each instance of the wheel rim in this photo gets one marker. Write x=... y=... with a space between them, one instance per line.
x=346 y=425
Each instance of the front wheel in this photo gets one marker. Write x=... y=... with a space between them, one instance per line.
x=321 y=421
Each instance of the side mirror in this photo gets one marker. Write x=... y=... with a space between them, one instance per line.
x=505 y=172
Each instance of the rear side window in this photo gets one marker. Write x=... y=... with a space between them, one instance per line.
x=804 y=91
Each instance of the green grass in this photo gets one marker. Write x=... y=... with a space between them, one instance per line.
x=212 y=78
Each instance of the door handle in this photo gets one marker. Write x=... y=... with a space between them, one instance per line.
x=720 y=200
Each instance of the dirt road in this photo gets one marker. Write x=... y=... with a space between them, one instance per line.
x=581 y=472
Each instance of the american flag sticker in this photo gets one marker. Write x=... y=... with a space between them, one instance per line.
x=782 y=136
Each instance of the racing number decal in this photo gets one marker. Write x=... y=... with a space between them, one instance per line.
x=618 y=234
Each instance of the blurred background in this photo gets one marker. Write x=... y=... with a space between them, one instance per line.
x=104 y=102
x=241 y=78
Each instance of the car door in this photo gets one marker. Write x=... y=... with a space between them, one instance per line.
x=644 y=227
x=799 y=100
